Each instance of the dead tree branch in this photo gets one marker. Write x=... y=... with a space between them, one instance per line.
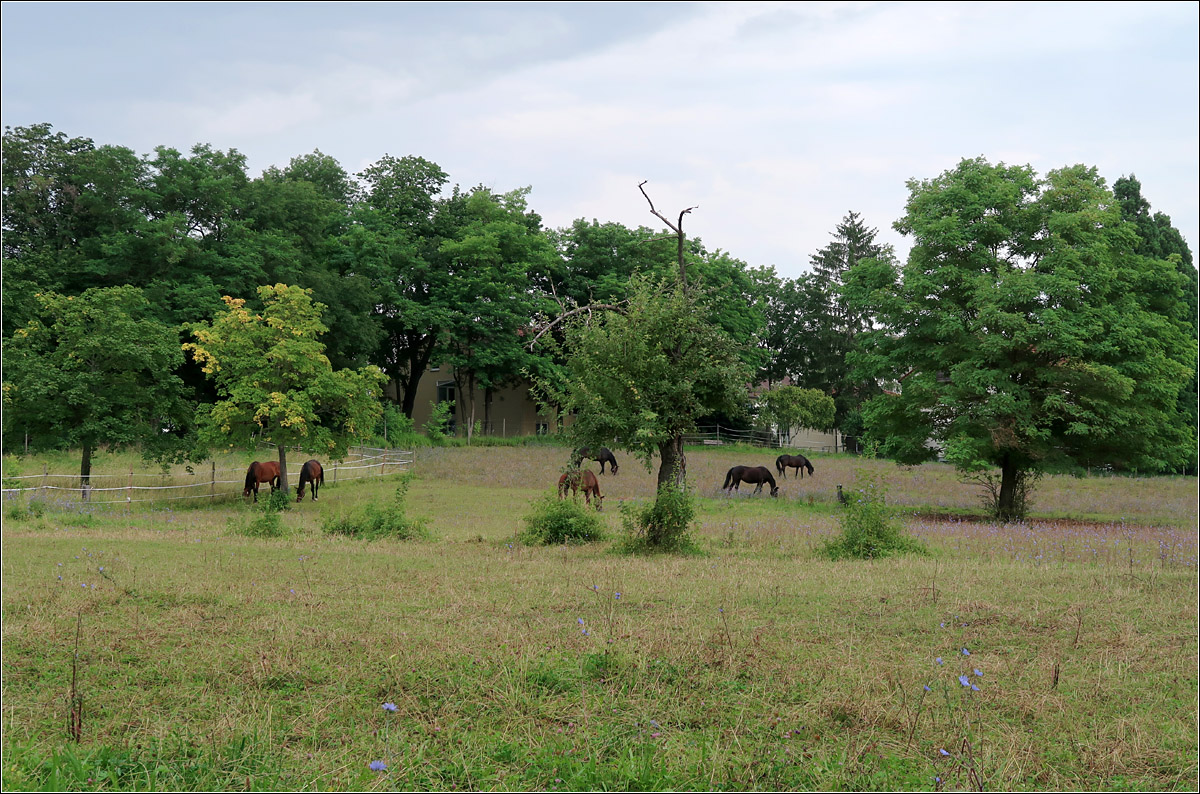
x=675 y=227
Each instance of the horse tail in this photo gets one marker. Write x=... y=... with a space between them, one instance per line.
x=779 y=467
x=728 y=478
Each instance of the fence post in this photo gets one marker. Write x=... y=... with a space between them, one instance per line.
x=45 y=474
x=335 y=464
x=129 y=493
x=212 y=485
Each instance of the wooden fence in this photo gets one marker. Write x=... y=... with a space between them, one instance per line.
x=189 y=482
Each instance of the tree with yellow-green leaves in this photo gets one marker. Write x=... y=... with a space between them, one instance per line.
x=274 y=380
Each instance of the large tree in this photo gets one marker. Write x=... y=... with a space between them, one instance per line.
x=640 y=378
x=275 y=382
x=1023 y=333
x=95 y=370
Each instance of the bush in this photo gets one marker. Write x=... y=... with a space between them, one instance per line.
x=869 y=527
x=664 y=525
x=373 y=522
x=268 y=521
x=555 y=520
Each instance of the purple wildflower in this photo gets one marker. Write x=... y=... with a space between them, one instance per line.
x=377 y=766
x=389 y=706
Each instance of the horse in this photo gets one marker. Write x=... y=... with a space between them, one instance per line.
x=603 y=456
x=797 y=462
x=313 y=474
x=576 y=478
x=261 y=472
x=750 y=474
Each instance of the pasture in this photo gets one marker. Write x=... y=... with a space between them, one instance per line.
x=1057 y=654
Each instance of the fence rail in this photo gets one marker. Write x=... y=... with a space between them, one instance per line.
x=366 y=462
x=717 y=435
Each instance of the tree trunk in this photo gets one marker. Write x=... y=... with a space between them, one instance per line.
x=283 y=485
x=1006 y=508
x=85 y=470
x=673 y=465
x=418 y=362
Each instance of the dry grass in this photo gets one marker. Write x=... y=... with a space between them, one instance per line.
x=754 y=666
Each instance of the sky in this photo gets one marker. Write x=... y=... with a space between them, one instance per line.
x=773 y=120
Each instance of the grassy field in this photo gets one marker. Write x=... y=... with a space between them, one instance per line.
x=1056 y=654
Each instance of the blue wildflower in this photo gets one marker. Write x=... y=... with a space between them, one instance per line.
x=966 y=652
x=389 y=706
x=977 y=673
x=940 y=660
x=377 y=766
x=927 y=689
x=944 y=751
x=962 y=679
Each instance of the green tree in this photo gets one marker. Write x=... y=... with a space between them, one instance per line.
x=274 y=380
x=644 y=375
x=1023 y=334
x=95 y=370
x=490 y=301
x=789 y=407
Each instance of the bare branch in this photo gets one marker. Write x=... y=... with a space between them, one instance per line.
x=588 y=310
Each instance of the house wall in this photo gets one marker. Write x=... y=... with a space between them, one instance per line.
x=511 y=413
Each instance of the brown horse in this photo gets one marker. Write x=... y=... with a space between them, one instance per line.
x=750 y=474
x=577 y=478
x=797 y=462
x=261 y=472
x=312 y=474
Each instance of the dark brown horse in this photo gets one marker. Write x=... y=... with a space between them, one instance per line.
x=312 y=474
x=603 y=456
x=261 y=472
x=797 y=462
x=581 y=478
x=750 y=474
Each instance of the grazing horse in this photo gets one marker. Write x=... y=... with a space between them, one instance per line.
x=314 y=475
x=261 y=472
x=577 y=478
x=750 y=474
x=603 y=456
x=797 y=462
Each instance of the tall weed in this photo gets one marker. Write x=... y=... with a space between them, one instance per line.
x=869 y=527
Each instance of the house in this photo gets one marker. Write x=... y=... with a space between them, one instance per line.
x=501 y=412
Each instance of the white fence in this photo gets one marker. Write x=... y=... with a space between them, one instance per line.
x=212 y=484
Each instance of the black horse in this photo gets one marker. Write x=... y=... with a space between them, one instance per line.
x=750 y=474
x=797 y=462
x=311 y=474
x=603 y=456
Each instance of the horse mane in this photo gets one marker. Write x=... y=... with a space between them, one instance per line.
x=251 y=474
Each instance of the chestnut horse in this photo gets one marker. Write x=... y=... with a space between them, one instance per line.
x=750 y=474
x=312 y=474
x=577 y=478
x=261 y=472
x=797 y=462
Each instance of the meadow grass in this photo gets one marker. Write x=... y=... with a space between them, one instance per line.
x=1056 y=654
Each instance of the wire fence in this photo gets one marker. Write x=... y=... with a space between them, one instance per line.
x=190 y=482
x=716 y=435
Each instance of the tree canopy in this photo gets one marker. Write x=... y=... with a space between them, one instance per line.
x=1023 y=333
x=274 y=381
x=95 y=369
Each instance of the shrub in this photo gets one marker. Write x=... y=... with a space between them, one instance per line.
x=268 y=521
x=373 y=522
x=664 y=525
x=555 y=520
x=869 y=526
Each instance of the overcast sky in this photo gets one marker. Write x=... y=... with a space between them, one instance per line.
x=774 y=119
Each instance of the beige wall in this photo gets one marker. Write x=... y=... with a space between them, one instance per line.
x=512 y=412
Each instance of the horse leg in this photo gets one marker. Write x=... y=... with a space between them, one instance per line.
x=759 y=488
